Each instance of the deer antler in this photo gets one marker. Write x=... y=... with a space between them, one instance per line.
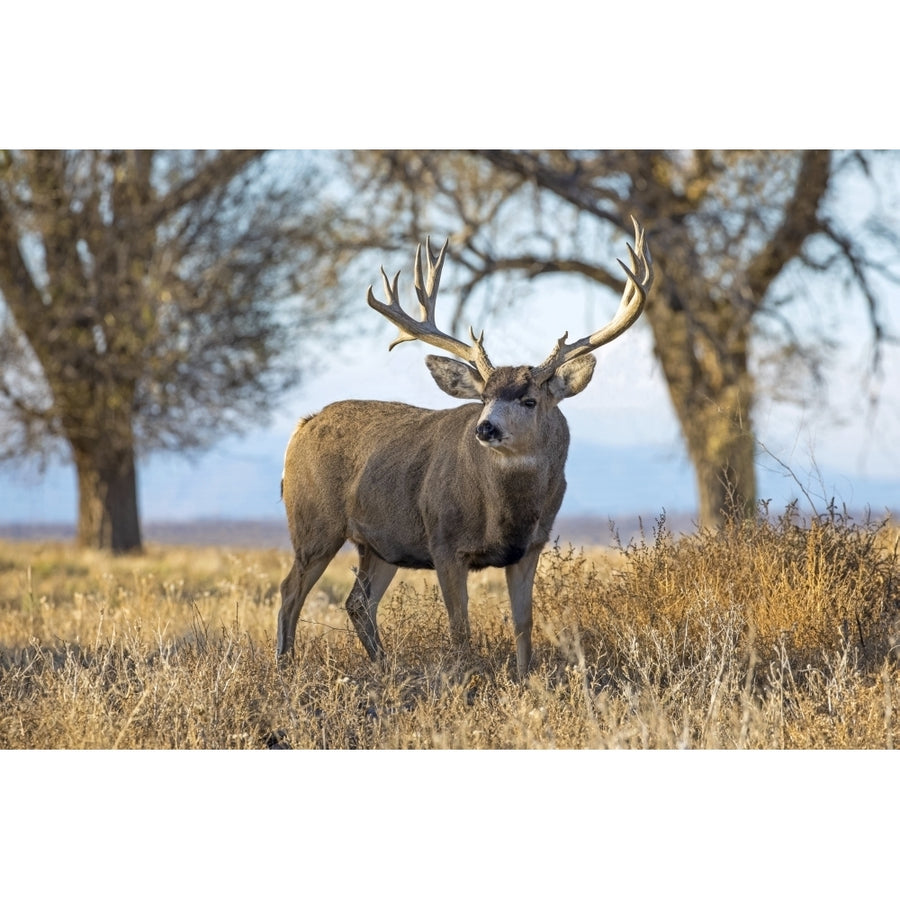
x=639 y=278
x=426 y=330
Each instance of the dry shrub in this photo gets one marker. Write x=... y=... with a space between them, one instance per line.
x=829 y=585
x=772 y=633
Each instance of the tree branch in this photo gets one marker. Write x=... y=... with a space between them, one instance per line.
x=569 y=187
x=215 y=174
x=801 y=219
x=19 y=290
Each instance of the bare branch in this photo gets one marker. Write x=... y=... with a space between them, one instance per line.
x=801 y=219
x=211 y=177
x=571 y=187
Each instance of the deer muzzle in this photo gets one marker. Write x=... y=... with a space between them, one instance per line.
x=487 y=432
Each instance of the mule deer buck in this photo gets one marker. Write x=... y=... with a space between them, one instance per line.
x=452 y=489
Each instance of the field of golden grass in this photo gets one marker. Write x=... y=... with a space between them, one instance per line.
x=771 y=634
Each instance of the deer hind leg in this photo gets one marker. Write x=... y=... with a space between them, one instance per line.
x=520 y=583
x=294 y=589
x=372 y=580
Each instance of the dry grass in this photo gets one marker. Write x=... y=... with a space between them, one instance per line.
x=768 y=634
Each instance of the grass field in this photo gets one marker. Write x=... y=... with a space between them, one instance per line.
x=771 y=634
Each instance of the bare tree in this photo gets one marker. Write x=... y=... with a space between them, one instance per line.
x=140 y=309
x=724 y=227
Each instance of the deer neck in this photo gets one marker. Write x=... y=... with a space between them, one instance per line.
x=520 y=481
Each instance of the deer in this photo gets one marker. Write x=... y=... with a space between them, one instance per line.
x=453 y=490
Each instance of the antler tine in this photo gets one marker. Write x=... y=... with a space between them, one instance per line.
x=426 y=329
x=639 y=278
x=426 y=303
x=480 y=358
x=427 y=293
x=390 y=289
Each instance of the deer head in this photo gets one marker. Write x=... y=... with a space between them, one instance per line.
x=514 y=397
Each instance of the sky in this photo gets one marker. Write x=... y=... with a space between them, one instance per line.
x=626 y=456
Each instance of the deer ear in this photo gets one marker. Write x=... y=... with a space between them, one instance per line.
x=455 y=378
x=572 y=377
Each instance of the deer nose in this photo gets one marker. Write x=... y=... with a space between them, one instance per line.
x=487 y=431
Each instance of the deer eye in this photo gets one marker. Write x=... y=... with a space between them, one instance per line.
x=529 y=402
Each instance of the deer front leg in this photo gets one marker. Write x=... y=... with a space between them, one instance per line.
x=520 y=583
x=452 y=577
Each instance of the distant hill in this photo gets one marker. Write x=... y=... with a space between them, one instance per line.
x=257 y=533
x=272 y=533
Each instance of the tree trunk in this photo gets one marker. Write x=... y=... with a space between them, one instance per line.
x=107 y=501
x=702 y=346
x=721 y=446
